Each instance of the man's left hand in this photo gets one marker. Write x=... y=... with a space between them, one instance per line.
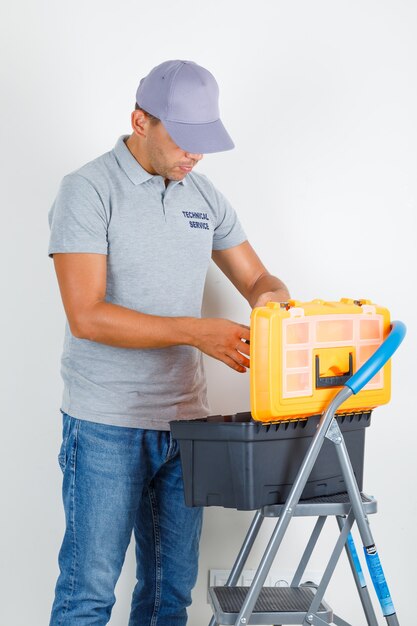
x=271 y=296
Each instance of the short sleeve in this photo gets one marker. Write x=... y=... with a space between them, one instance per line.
x=77 y=218
x=228 y=231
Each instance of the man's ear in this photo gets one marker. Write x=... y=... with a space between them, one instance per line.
x=139 y=123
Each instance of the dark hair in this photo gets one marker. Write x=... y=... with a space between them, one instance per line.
x=153 y=119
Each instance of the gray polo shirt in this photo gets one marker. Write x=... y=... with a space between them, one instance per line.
x=158 y=241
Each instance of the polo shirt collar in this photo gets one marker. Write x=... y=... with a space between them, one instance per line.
x=130 y=165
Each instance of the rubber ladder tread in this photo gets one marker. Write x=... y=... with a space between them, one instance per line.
x=339 y=498
x=270 y=599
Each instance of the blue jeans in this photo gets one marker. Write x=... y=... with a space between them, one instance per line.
x=117 y=480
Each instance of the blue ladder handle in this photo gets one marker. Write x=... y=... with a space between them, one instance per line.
x=378 y=359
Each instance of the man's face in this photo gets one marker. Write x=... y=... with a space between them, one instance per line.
x=164 y=156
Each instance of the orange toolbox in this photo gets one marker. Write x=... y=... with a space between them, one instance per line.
x=303 y=352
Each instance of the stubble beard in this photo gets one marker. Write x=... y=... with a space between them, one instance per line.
x=158 y=164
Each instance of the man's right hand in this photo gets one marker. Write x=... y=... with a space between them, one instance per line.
x=82 y=282
x=224 y=340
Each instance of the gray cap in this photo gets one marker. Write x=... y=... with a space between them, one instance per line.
x=185 y=97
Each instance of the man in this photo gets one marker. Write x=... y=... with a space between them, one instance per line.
x=132 y=234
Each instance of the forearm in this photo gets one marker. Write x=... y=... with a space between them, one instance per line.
x=267 y=283
x=121 y=327
x=118 y=326
x=82 y=282
x=243 y=267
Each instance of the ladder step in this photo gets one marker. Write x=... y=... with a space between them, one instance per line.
x=338 y=498
x=273 y=604
x=338 y=504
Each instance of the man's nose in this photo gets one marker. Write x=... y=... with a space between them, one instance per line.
x=193 y=156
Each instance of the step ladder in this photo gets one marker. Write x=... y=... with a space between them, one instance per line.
x=302 y=604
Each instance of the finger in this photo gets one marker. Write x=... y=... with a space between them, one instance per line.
x=244 y=361
x=239 y=358
x=244 y=332
x=244 y=347
x=233 y=364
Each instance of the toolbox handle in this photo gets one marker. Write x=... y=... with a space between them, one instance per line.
x=378 y=359
x=322 y=382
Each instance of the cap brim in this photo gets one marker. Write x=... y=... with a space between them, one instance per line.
x=200 y=138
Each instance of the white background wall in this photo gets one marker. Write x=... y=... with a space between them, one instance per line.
x=321 y=99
